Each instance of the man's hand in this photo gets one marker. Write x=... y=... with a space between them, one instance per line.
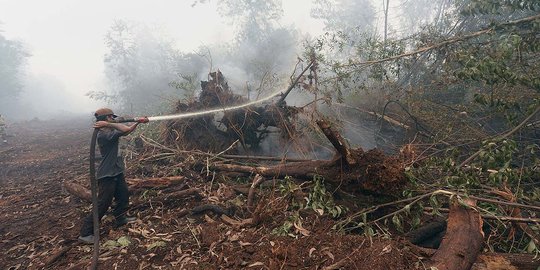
x=101 y=124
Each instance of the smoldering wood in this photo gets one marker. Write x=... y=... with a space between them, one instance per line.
x=249 y=125
x=351 y=169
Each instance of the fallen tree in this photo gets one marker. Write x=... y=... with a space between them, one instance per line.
x=463 y=240
x=352 y=169
x=134 y=184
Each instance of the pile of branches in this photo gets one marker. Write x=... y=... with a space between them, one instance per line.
x=248 y=125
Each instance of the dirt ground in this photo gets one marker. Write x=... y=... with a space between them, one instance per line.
x=40 y=221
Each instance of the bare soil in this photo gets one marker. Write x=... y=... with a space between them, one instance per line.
x=39 y=221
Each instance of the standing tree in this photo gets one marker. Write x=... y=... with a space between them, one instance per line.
x=262 y=49
x=12 y=56
x=345 y=16
x=140 y=66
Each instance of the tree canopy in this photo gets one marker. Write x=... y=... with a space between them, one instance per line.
x=12 y=56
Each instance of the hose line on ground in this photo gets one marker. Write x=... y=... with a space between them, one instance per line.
x=94 y=188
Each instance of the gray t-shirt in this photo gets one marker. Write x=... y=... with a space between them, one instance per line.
x=112 y=163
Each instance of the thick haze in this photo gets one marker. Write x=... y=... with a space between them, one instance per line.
x=66 y=40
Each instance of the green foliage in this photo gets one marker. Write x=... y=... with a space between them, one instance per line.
x=253 y=18
x=478 y=61
x=156 y=245
x=142 y=69
x=13 y=56
x=288 y=186
x=476 y=7
x=321 y=201
x=188 y=84
x=121 y=242
x=345 y=16
x=286 y=228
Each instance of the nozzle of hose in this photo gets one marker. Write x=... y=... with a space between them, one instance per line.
x=143 y=119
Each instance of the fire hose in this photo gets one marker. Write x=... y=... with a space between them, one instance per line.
x=94 y=184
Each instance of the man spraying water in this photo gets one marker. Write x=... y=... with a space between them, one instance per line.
x=110 y=173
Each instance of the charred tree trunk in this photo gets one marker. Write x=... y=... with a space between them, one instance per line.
x=463 y=239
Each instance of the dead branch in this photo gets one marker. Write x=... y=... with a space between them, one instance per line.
x=78 y=191
x=56 y=255
x=83 y=193
x=182 y=193
x=257 y=180
x=429 y=210
x=337 y=141
x=298 y=169
x=237 y=224
x=293 y=84
x=504 y=136
x=154 y=182
x=516 y=214
x=264 y=158
x=380 y=116
x=444 y=43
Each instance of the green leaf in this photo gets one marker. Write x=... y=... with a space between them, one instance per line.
x=397 y=222
x=155 y=245
x=111 y=244
x=124 y=241
x=531 y=247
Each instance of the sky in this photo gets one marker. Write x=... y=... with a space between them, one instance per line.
x=66 y=37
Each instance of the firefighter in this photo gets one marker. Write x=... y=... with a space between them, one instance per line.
x=110 y=173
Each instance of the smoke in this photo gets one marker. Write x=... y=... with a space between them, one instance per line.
x=44 y=97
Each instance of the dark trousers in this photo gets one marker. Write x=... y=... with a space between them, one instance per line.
x=108 y=188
